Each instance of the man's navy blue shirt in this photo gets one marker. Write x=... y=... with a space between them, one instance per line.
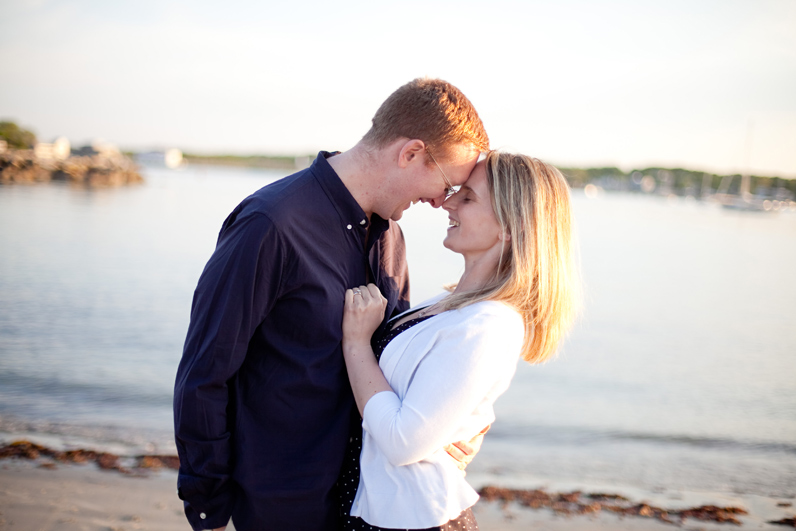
x=262 y=401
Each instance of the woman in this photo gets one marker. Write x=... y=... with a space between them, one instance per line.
x=433 y=376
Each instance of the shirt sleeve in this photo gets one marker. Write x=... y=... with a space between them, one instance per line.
x=401 y=272
x=235 y=292
x=396 y=268
x=466 y=364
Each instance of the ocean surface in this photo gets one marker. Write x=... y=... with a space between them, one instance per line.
x=679 y=374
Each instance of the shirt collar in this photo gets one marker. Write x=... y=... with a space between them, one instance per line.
x=347 y=208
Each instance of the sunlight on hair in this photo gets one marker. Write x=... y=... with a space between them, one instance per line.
x=536 y=273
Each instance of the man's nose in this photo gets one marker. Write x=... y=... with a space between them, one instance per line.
x=435 y=202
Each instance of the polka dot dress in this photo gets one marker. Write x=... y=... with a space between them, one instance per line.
x=348 y=481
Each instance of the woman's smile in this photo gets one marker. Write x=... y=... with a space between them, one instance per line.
x=470 y=214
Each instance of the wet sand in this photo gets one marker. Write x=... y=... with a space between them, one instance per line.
x=45 y=495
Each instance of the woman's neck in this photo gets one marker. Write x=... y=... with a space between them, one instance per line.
x=478 y=271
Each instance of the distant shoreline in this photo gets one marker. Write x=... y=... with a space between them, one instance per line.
x=23 y=166
x=251 y=161
x=678 y=181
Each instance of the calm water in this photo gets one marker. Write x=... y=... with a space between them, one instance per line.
x=678 y=375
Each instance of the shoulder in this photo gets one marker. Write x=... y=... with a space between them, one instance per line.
x=484 y=324
x=490 y=326
x=284 y=206
x=286 y=198
x=485 y=337
x=492 y=314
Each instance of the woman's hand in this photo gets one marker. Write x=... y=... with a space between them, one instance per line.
x=362 y=315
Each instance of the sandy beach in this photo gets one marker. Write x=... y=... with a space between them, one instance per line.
x=42 y=495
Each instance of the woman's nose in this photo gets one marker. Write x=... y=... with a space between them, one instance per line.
x=450 y=203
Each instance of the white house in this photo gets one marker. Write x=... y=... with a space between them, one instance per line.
x=57 y=150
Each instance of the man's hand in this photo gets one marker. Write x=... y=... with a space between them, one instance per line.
x=220 y=528
x=464 y=451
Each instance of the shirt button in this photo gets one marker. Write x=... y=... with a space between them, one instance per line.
x=348 y=227
x=202 y=516
x=363 y=222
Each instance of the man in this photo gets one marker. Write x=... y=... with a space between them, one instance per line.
x=262 y=402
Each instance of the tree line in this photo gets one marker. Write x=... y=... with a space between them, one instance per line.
x=676 y=180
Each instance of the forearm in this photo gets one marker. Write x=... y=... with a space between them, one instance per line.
x=364 y=373
x=203 y=445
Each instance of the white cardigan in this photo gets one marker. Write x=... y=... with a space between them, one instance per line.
x=446 y=373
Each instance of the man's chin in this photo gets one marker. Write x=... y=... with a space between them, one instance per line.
x=398 y=214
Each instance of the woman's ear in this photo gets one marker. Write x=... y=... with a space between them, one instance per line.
x=504 y=236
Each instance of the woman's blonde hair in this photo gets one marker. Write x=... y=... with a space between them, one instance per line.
x=536 y=273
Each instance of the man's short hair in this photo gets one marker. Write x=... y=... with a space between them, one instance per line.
x=431 y=110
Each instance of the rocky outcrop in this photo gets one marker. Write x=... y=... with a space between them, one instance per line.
x=572 y=503
x=104 y=460
x=22 y=166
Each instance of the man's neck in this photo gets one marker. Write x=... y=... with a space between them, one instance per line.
x=359 y=170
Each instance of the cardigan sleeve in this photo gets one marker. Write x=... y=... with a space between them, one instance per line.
x=466 y=363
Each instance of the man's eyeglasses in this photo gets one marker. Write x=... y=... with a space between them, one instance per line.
x=449 y=188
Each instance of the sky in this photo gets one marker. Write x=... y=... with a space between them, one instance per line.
x=702 y=84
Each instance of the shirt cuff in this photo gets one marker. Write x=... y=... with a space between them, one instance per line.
x=205 y=512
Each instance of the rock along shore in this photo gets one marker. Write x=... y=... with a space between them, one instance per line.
x=22 y=166
x=499 y=509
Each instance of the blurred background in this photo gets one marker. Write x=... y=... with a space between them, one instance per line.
x=619 y=83
x=674 y=121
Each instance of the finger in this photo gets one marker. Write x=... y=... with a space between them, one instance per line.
x=464 y=447
x=349 y=298
x=365 y=294
x=461 y=459
x=376 y=293
x=356 y=297
x=453 y=451
x=474 y=445
x=373 y=289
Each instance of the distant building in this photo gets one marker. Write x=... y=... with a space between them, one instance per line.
x=106 y=149
x=85 y=151
x=57 y=150
x=98 y=148
x=171 y=158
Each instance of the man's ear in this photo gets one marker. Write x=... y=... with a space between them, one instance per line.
x=411 y=151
